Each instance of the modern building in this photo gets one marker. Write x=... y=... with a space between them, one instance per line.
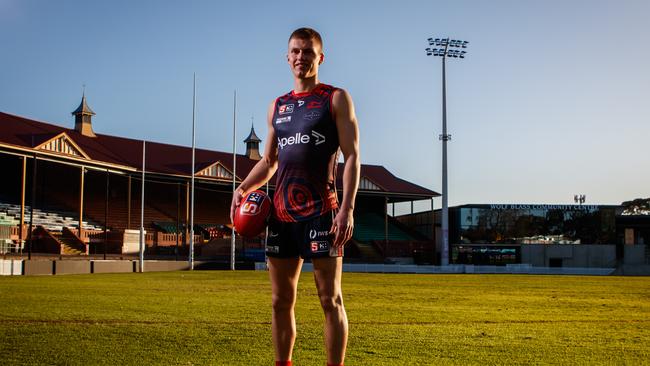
x=539 y=234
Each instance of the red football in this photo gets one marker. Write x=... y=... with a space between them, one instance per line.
x=251 y=216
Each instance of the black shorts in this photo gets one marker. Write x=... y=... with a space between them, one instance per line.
x=306 y=239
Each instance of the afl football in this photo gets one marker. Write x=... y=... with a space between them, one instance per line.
x=252 y=214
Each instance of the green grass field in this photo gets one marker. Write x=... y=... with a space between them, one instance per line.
x=223 y=318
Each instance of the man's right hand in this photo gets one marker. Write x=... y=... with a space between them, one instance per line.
x=237 y=196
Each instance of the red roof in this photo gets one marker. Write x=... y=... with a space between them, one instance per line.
x=167 y=159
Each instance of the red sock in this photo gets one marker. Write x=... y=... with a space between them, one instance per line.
x=283 y=363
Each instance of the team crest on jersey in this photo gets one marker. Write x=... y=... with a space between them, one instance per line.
x=286 y=109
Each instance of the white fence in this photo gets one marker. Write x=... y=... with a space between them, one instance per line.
x=11 y=267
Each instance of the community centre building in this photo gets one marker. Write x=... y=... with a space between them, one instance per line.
x=544 y=235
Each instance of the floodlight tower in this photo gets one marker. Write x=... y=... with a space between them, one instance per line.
x=457 y=51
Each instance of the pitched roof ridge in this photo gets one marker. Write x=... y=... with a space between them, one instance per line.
x=29 y=119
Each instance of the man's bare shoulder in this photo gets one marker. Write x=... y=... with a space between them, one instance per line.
x=341 y=98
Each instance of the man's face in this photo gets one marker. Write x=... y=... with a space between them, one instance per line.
x=304 y=57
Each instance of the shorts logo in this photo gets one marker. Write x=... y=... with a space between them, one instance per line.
x=313 y=234
x=319 y=246
x=273 y=249
x=310 y=116
x=312 y=105
x=283 y=120
x=300 y=103
x=286 y=109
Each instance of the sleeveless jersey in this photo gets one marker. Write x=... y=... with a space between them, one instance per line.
x=308 y=148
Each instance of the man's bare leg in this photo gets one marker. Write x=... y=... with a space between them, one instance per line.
x=327 y=273
x=284 y=273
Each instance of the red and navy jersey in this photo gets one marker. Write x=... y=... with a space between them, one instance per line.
x=308 y=146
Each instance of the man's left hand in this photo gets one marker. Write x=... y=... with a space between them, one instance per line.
x=342 y=227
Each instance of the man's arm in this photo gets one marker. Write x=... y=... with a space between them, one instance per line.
x=263 y=170
x=348 y=133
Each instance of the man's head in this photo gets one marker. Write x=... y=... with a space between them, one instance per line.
x=305 y=53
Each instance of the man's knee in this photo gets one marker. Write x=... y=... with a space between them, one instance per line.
x=283 y=302
x=331 y=303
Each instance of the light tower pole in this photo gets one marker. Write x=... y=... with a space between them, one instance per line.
x=457 y=51
x=579 y=199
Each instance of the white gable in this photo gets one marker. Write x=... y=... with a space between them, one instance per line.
x=216 y=170
x=367 y=185
x=62 y=144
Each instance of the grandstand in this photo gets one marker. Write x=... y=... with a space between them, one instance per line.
x=82 y=183
x=383 y=237
x=50 y=219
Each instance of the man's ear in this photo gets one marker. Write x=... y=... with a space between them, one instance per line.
x=322 y=58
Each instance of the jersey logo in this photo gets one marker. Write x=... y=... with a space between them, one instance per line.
x=286 y=109
x=311 y=115
x=283 y=120
x=300 y=103
x=299 y=138
x=319 y=138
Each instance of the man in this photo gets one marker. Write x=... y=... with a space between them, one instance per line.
x=307 y=128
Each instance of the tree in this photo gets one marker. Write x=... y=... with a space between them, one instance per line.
x=639 y=206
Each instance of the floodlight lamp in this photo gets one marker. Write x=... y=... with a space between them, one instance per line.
x=465 y=44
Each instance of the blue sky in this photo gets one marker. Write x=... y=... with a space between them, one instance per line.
x=552 y=99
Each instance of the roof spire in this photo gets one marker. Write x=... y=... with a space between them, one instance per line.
x=83 y=116
x=253 y=143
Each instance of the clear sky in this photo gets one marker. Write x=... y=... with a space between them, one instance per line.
x=552 y=100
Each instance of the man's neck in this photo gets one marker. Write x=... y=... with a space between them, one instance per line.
x=305 y=85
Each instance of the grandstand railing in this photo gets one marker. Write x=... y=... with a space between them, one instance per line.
x=166 y=239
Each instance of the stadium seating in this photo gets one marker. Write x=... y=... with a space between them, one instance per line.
x=50 y=218
x=370 y=227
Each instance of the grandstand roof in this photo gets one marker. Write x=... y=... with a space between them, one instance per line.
x=20 y=133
